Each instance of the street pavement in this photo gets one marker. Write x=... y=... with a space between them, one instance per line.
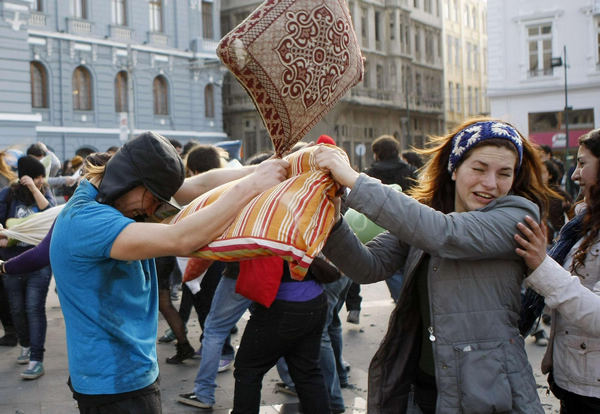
x=50 y=394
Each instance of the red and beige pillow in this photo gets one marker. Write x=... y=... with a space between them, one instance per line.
x=296 y=59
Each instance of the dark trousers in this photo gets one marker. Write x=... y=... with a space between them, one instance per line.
x=353 y=298
x=286 y=329
x=27 y=294
x=147 y=401
x=5 y=318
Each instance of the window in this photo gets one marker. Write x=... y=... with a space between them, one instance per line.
x=469 y=100
x=392 y=25
x=450 y=96
x=209 y=101
x=82 y=89
x=458 y=99
x=79 y=9
x=363 y=25
x=477 y=107
x=379 y=76
x=540 y=49
x=207 y=20
x=161 y=100
x=121 y=104
x=449 y=51
x=416 y=4
x=474 y=18
x=467 y=21
x=378 y=30
x=468 y=55
x=156 y=16
x=475 y=58
x=427 y=6
x=449 y=9
x=598 y=42
x=457 y=51
x=366 y=76
x=39 y=85
x=119 y=12
x=38 y=5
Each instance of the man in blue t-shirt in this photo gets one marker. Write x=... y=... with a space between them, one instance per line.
x=101 y=254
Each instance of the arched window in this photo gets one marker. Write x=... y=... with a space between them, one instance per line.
x=161 y=100
x=82 y=89
x=121 y=92
x=209 y=101
x=39 y=85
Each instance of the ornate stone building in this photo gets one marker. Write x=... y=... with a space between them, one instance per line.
x=70 y=70
x=465 y=60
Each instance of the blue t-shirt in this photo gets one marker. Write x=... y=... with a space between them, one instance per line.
x=110 y=306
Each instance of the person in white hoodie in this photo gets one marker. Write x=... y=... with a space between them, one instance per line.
x=572 y=290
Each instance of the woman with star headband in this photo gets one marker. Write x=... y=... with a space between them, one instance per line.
x=453 y=343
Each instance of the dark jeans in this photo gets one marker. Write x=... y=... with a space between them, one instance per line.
x=27 y=294
x=571 y=403
x=286 y=329
x=353 y=298
x=5 y=318
x=147 y=401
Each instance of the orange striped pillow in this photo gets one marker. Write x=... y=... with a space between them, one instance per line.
x=291 y=220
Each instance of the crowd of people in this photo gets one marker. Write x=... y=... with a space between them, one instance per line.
x=483 y=213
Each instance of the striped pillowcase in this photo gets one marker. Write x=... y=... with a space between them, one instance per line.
x=291 y=220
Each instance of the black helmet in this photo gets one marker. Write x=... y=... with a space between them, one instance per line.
x=149 y=160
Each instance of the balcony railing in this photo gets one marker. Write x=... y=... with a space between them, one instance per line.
x=37 y=19
x=157 y=38
x=121 y=33
x=76 y=25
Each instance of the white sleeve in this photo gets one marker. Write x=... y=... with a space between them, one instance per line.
x=565 y=293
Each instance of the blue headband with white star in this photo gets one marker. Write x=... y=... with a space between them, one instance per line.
x=472 y=135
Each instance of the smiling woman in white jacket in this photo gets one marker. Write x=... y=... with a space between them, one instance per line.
x=572 y=291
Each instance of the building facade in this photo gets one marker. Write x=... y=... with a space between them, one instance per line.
x=83 y=74
x=527 y=85
x=465 y=60
x=401 y=93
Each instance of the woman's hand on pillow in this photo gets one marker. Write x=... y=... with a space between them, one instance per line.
x=333 y=161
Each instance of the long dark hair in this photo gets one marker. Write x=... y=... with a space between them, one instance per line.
x=591 y=219
x=436 y=187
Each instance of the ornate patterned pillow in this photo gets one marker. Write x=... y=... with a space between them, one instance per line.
x=291 y=220
x=296 y=59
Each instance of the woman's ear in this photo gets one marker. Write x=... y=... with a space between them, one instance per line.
x=453 y=176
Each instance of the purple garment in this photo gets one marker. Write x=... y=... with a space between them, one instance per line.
x=299 y=291
x=32 y=259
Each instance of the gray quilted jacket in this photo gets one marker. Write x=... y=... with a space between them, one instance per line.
x=474 y=281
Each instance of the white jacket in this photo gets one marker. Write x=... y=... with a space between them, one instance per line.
x=574 y=350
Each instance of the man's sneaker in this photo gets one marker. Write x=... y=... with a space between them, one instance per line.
x=33 y=373
x=225 y=364
x=190 y=399
x=24 y=357
x=168 y=336
x=353 y=317
x=541 y=339
x=9 y=339
x=283 y=388
x=184 y=351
